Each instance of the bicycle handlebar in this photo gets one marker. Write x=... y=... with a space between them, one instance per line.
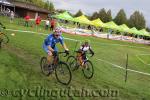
x=63 y=53
x=84 y=52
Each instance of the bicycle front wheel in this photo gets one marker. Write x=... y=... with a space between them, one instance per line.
x=63 y=73
x=88 y=70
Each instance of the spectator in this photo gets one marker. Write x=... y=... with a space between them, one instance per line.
x=7 y=12
x=47 y=24
x=12 y=15
x=38 y=20
x=27 y=19
x=53 y=23
x=89 y=27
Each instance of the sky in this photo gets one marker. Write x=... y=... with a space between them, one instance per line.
x=90 y=6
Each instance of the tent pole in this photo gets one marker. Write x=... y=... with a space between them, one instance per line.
x=126 y=71
x=1 y=7
x=14 y=9
x=132 y=37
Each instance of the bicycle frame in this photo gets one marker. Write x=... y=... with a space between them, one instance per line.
x=57 y=58
x=78 y=60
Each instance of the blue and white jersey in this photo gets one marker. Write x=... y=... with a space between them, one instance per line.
x=52 y=41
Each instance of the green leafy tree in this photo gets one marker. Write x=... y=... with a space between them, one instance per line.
x=121 y=18
x=46 y=5
x=109 y=16
x=102 y=15
x=137 y=20
x=51 y=7
x=148 y=29
x=95 y=16
x=79 y=13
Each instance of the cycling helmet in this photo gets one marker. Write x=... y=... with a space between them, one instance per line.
x=58 y=31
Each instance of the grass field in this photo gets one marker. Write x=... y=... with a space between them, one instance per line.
x=20 y=69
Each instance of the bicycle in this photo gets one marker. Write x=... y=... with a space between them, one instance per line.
x=59 y=67
x=3 y=37
x=87 y=67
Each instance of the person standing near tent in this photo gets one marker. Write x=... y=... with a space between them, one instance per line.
x=12 y=15
x=47 y=24
x=27 y=19
x=37 y=22
x=53 y=23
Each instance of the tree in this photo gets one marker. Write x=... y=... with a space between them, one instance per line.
x=46 y=5
x=94 y=16
x=102 y=15
x=137 y=20
x=51 y=7
x=79 y=13
x=148 y=29
x=121 y=17
x=109 y=16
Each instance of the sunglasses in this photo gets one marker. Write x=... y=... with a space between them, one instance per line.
x=57 y=35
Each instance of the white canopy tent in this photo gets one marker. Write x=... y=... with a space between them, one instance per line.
x=4 y=4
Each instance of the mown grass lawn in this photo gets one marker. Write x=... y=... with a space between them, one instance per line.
x=19 y=63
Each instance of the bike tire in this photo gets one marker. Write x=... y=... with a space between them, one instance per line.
x=90 y=65
x=62 y=66
x=72 y=62
x=5 y=38
x=43 y=63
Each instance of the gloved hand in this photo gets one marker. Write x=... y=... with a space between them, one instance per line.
x=67 y=52
x=54 y=53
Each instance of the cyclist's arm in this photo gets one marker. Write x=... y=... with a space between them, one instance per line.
x=49 y=43
x=63 y=44
x=91 y=51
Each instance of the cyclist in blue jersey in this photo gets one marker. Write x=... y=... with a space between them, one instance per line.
x=50 y=42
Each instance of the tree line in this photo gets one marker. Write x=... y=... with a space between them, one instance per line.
x=135 y=20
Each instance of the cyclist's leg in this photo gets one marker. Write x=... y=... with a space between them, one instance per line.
x=79 y=57
x=83 y=59
x=49 y=54
x=55 y=56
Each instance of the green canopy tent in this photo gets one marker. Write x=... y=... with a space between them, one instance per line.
x=111 y=25
x=123 y=28
x=144 y=32
x=82 y=19
x=64 y=16
x=135 y=31
x=97 y=23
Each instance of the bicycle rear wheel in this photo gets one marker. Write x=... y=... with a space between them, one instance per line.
x=63 y=73
x=88 y=71
x=72 y=62
x=4 y=38
x=44 y=66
